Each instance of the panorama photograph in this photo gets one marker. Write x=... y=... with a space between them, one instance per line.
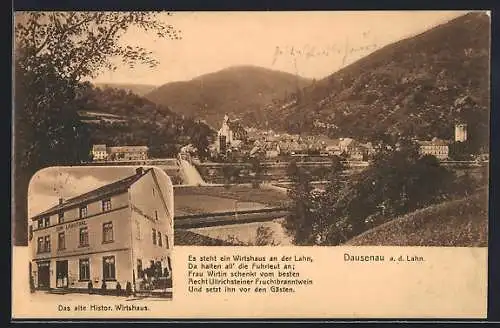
x=274 y=128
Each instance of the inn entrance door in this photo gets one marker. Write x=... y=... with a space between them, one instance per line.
x=43 y=274
x=62 y=274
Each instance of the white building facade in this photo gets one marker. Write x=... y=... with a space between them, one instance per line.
x=117 y=235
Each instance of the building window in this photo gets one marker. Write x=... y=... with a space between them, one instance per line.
x=106 y=205
x=47 y=244
x=60 y=217
x=84 y=237
x=156 y=215
x=154 y=237
x=140 y=273
x=159 y=239
x=166 y=242
x=108 y=268
x=30 y=232
x=40 y=223
x=40 y=247
x=61 y=241
x=84 y=269
x=153 y=192
x=46 y=221
x=83 y=212
x=107 y=232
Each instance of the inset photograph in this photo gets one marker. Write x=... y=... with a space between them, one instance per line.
x=100 y=232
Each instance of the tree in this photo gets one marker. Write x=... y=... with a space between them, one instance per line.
x=460 y=151
x=336 y=168
x=54 y=53
x=200 y=134
x=258 y=170
x=298 y=222
x=292 y=171
x=397 y=182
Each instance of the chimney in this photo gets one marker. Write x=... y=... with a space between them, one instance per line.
x=61 y=200
x=139 y=170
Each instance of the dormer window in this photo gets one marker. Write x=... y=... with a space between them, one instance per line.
x=46 y=221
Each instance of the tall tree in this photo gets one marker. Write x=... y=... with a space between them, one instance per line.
x=259 y=171
x=298 y=223
x=200 y=134
x=54 y=53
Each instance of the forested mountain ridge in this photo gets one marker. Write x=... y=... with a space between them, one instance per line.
x=138 y=122
x=233 y=90
x=418 y=86
x=138 y=89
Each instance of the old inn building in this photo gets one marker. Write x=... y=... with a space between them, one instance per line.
x=110 y=234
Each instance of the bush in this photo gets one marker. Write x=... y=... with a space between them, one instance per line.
x=90 y=287
x=128 y=289
x=103 y=286
x=118 y=288
x=265 y=237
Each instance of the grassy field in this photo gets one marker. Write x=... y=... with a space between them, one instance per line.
x=460 y=223
x=210 y=199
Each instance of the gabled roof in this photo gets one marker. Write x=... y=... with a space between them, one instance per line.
x=109 y=189
x=434 y=142
x=99 y=147
x=127 y=148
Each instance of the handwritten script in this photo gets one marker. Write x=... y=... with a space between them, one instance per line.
x=309 y=51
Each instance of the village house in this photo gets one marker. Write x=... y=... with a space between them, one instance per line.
x=128 y=153
x=440 y=148
x=436 y=147
x=346 y=145
x=99 y=152
x=113 y=235
x=119 y=153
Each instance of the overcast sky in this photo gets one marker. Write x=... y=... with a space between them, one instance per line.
x=48 y=185
x=312 y=44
